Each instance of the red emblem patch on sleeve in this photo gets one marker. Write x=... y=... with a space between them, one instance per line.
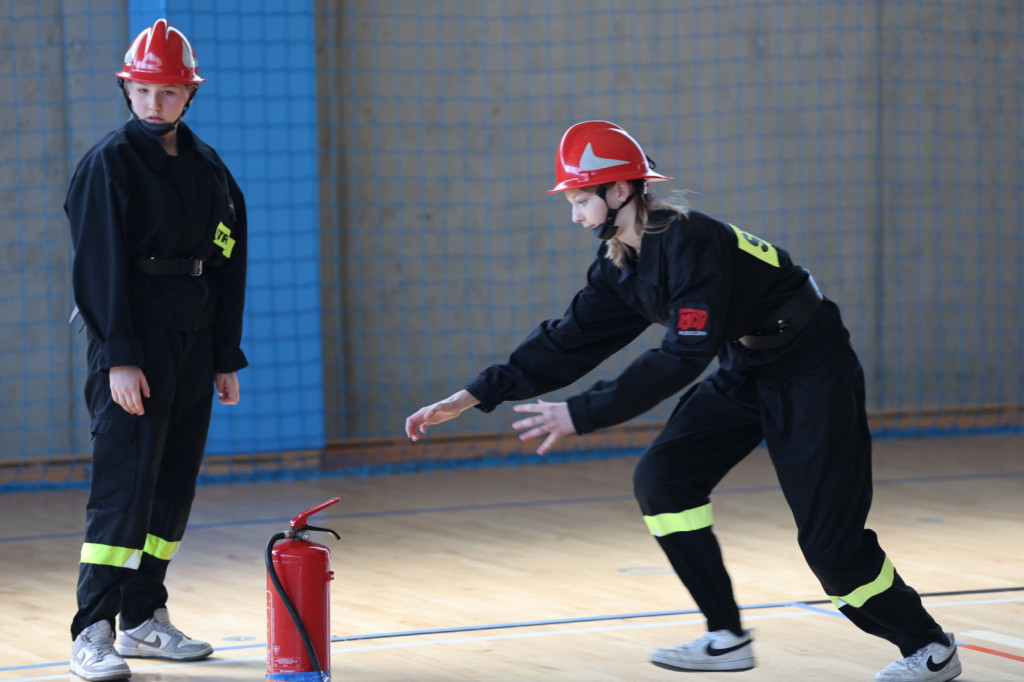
x=692 y=322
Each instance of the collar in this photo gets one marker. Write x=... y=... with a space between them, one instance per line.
x=152 y=152
x=651 y=245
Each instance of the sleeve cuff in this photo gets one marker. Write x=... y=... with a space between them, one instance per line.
x=579 y=412
x=489 y=397
x=121 y=351
x=227 y=360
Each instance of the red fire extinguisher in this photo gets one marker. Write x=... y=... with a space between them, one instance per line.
x=298 y=603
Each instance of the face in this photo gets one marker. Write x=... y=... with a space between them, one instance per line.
x=588 y=209
x=155 y=103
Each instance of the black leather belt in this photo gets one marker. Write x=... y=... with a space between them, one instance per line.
x=170 y=266
x=786 y=322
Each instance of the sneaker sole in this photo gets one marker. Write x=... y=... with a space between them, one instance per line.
x=126 y=652
x=100 y=677
x=733 y=666
x=942 y=676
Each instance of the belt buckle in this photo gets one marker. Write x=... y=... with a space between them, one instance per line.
x=197 y=268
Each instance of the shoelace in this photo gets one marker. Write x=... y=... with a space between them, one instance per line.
x=702 y=642
x=168 y=628
x=915 y=658
x=102 y=647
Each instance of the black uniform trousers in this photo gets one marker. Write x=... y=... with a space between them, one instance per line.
x=144 y=473
x=815 y=427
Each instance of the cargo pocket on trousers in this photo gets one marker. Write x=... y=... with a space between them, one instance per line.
x=114 y=461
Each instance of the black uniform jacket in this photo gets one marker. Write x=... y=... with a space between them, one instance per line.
x=129 y=200
x=707 y=282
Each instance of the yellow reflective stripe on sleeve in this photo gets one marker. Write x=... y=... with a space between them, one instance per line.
x=222 y=238
x=160 y=548
x=678 y=522
x=860 y=596
x=108 y=555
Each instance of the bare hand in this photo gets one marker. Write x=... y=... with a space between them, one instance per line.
x=552 y=419
x=449 y=408
x=227 y=388
x=128 y=386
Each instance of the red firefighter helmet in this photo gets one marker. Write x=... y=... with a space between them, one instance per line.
x=161 y=54
x=599 y=152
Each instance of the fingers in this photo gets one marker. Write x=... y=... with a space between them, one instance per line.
x=537 y=425
x=548 y=443
x=417 y=423
x=228 y=392
x=228 y=398
x=552 y=420
x=130 y=400
x=128 y=385
x=553 y=436
x=412 y=426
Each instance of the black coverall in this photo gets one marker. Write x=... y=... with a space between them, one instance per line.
x=136 y=215
x=712 y=284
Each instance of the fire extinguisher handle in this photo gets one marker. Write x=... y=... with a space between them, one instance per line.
x=323 y=530
x=299 y=522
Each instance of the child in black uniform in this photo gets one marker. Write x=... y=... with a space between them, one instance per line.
x=787 y=375
x=158 y=229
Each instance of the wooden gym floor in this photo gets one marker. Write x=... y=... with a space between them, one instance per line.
x=545 y=572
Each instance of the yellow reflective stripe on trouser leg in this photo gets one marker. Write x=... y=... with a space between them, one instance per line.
x=860 y=596
x=678 y=522
x=108 y=555
x=160 y=548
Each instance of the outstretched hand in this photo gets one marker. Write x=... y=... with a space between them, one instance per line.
x=552 y=419
x=441 y=411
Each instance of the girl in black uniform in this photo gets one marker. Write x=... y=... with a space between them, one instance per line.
x=787 y=375
x=158 y=230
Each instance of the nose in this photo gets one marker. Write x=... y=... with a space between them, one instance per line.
x=577 y=214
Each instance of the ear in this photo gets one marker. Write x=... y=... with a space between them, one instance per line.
x=622 y=190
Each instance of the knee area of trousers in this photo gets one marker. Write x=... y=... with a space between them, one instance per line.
x=654 y=492
x=839 y=575
x=646 y=482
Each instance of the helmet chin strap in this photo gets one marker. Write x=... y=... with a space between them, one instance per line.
x=608 y=228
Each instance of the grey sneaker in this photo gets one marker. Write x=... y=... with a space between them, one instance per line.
x=718 y=650
x=933 y=663
x=93 y=656
x=157 y=638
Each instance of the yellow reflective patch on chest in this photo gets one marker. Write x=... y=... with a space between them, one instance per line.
x=756 y=247
x=222 y=238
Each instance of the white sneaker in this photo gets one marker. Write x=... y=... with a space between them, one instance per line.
x=718 y=650
x=157 y=638
x=933 y=663
x=93 y=656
